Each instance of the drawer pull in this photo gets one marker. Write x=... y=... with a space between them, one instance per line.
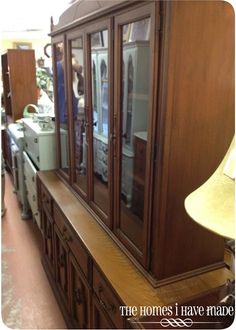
x=78 y=296
x=38 y=158
x=34 y=198
x=107 y=306
x=33 y=179
x=35 y=140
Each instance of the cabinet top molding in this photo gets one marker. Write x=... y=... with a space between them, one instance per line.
x=82 y=11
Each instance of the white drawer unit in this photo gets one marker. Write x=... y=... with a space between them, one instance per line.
x=31 y=189
x=16 y=138
x=39 y=154
x=40 y=145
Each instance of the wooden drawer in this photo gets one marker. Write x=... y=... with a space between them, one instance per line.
x=73 y=242
x=107 y=299
x=46 y=199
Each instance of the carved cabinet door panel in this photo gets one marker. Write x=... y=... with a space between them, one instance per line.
x=61 y=264
x=79 y=296
x=100 y=320
x=47 y=226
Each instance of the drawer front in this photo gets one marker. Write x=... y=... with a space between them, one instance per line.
x=73 y=242
x=107 y=299
x=32 y=144
x=32 y=199
x=46 y=199
x=30 y=171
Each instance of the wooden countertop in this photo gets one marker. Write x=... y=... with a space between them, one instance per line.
x=128 y=282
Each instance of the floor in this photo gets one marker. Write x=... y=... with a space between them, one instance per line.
x=27 y=298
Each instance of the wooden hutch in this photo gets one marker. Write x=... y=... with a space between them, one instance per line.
x=144 y=103
x=19 y=89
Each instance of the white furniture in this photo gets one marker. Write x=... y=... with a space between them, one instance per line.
x=135 y=105
x=39 y=154
x=16 y=138
x=40 y=145
x=31 y=189
x=135 y=89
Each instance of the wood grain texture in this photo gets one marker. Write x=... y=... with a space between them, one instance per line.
x=197 y=112
x=21 y=73
x=130 y=285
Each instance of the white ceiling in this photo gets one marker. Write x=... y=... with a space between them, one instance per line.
x=30 y=15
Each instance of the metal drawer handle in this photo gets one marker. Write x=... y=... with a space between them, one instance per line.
x=35 y=140
x=34 y=198
x=33 y=179
x=107 y=306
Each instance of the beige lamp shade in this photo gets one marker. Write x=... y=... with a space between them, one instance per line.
x=212 y=204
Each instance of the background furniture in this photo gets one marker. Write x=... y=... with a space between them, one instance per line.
x=19 y=81
x=16 y=138
x=39 y=154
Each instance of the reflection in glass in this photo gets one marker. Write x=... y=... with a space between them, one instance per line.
x=61 y=107
x=135 y=107
x=100 y=118
x=80 y=138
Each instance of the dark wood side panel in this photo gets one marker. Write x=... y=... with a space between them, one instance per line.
x=22 y=77
x=199 y=113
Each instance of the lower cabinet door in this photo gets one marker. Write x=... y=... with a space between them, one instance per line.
x=61 y=265
x=48 y=248
x=100 y=320
x=79 y=296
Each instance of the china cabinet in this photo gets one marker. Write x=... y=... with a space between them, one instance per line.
x=143 y=132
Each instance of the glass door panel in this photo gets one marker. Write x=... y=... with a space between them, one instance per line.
x=61 y=104
x=135 y=112
x=100 y=117
x=78 y=113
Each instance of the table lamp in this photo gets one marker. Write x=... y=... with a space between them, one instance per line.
x=212 y=204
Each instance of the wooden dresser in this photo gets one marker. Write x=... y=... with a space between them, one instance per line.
x=90 y=275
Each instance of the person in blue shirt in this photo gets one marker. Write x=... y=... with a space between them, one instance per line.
x=63 y=114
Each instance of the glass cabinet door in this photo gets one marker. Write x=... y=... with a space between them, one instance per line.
x=100 y=116
x=78 y=114
x=134 y=95
x=61 y=107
